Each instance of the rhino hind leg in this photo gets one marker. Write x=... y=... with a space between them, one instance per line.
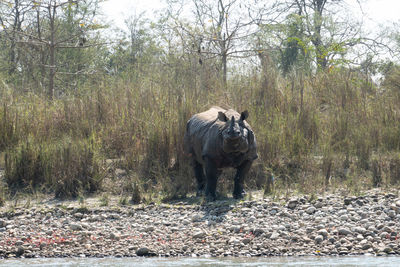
x=241 y=172
x=199 y=173
x=212 y=177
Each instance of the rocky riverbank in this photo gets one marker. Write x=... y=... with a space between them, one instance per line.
x=327 y=225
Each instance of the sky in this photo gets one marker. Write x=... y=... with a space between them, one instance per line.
x=377 y=12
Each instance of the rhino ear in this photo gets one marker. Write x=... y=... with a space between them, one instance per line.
x=222 y=116
x=244 y=115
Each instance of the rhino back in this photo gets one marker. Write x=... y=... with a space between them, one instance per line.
x=202 y=130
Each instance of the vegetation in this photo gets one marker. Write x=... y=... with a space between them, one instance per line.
x=319 y=118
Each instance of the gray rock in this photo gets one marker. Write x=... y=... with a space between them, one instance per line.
x=344 y=231
x=75 y=227
x=392 y=214
x=347 y=201
x=292 y=203
x=78 y=215
x=246 y=241
x=359 y=237
x=318 y=239
x=323 y=232
x=143 y=251
x=384 y=235
x=360 y=230
x=273 y=211
x=274 y=236
x=20 y=251
x=115 y=236
x=19 y=243
x=311 y=210
x=199 y=234
x=366 y=246
x=149 y=229
x=319 y=204
x=196 y=218
x=258 y=231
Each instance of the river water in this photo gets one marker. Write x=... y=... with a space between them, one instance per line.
x=209 y=262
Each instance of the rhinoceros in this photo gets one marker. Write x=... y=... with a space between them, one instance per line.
x=217 y=139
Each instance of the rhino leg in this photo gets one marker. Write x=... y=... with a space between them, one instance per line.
x=199 y=173
x=212 y=177
x=241 y=172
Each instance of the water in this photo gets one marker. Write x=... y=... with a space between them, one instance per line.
x=209 y=262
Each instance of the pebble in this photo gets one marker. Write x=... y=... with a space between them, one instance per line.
x=199 y=234
x=311 y=210
x=365 y=225
x=344 y=231
x=318 y=238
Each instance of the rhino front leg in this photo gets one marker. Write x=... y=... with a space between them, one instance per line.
x=199 y=173
x=241 y=172
x=212 y=177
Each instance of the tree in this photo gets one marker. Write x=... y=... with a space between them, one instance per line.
x=51 y=27
x=12 y=16
x=322 y=29
x=221 y=30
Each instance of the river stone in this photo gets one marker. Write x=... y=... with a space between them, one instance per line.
x=246 y=241
x=311 y=210
x=273 y=211
x=344 y=231
x=196 y=218
x=115 y=236
x=347 y=201
x=318 y=239
x=20 y=251
x=293 y=203
x=142 y=252
x=392 y=214
x=199 y=234
x=19 y=243
x=319 y=204
x=359 y=229
x=323 y=232
x=274 y=236
x=75 y=227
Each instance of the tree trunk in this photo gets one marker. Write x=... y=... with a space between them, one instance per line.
x=224 y=70
x=52 y=47
x=321 y=59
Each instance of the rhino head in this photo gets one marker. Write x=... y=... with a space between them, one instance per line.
x=234 y=133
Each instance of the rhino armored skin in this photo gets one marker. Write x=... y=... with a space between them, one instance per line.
x=217 y=139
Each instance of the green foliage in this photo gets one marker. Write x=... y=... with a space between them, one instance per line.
x=296 y=46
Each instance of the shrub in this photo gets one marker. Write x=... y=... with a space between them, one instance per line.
x=66 y=168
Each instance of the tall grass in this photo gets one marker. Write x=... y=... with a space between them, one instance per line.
x=311 y=132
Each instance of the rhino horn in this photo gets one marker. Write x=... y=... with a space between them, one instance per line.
x=232 y=123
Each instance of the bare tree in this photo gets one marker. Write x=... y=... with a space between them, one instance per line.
x=53 y=25
x=221 y=30
x=12 y=16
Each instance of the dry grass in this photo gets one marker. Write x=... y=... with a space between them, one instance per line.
x=333 y=129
